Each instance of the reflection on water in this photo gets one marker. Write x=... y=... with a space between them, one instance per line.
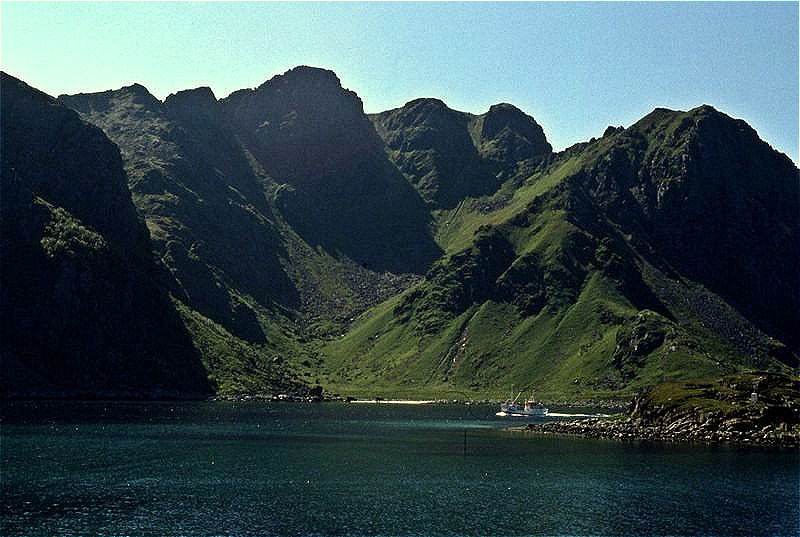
x=337 y=469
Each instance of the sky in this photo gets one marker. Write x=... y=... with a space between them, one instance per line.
x=575 y=67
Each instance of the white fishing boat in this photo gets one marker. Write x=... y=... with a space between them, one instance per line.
x=530 y=408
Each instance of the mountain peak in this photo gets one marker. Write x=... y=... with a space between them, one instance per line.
x=424 y=111
x=296 y=123
x=503 y=115
x=508 y=133
x=135 y=94
x=201 y=97
x=504 y=108
x=193 y=104
x=304 y=75
x=705 y=109
x=303 y=92
x=425 y=102
x=700 y=123
x=140 y=95
x=136 y=88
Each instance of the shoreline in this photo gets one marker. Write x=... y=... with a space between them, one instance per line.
x=608 y=405
x=627 y=430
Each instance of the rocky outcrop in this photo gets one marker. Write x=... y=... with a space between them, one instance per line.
x=431 y=145
x=199 y=103
x=508 y=139
x=205 y=207
x=302 y=125
x=748 y=409
x=342 y=193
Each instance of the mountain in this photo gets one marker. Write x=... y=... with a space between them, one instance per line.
x=204 y=207
x=449 y=156
x=83 y=311
x=341 y=192
x=262 y=261
x=663 y=251
x=280 y=238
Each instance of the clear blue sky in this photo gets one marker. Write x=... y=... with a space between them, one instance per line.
x=575 y=67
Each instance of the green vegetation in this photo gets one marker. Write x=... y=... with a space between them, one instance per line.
x=65 y=235
x=544 y=288
x=728 y=396
x=235 y=366
x=291 y=234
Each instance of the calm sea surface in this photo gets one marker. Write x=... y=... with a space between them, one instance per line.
x=336 y=469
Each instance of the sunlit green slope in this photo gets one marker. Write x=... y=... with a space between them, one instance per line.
x=582 y=281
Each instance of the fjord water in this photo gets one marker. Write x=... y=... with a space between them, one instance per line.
x=213 y=468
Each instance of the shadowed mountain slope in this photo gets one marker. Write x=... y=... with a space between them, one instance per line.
x=449 y=155
x=342 y=192
x=226 y=230
x=83 y=308
x=717 y=204
x=203 y=204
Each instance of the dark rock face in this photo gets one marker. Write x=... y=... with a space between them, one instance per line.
x=82 y=310
x=296 y=123
x=449 y=155
x=95 y=193
x=197 y=110
x=209 y=219
x=717 y=203
x=506 y=136
x=199 y=101
x=431 y=145
x=310 y=133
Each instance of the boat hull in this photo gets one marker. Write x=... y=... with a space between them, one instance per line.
x=537 y=411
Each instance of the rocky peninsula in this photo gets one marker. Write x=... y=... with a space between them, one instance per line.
x=758 y=408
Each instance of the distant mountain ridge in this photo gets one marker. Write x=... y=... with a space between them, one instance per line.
x=449 y=155
x=472 y=255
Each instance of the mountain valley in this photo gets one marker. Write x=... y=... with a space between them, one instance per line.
x=280 y=240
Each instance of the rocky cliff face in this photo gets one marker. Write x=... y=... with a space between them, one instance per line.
x=508 y=139
x=296 y=123
x=430 y=144
x=342 y=193
x=82 y=309
x=715 y=203
x=449 y=155
x=203 y=203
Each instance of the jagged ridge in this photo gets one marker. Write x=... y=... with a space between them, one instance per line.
x=283 y=211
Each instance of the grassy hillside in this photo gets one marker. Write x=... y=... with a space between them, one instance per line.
x=291 y=233
x=544 y=286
